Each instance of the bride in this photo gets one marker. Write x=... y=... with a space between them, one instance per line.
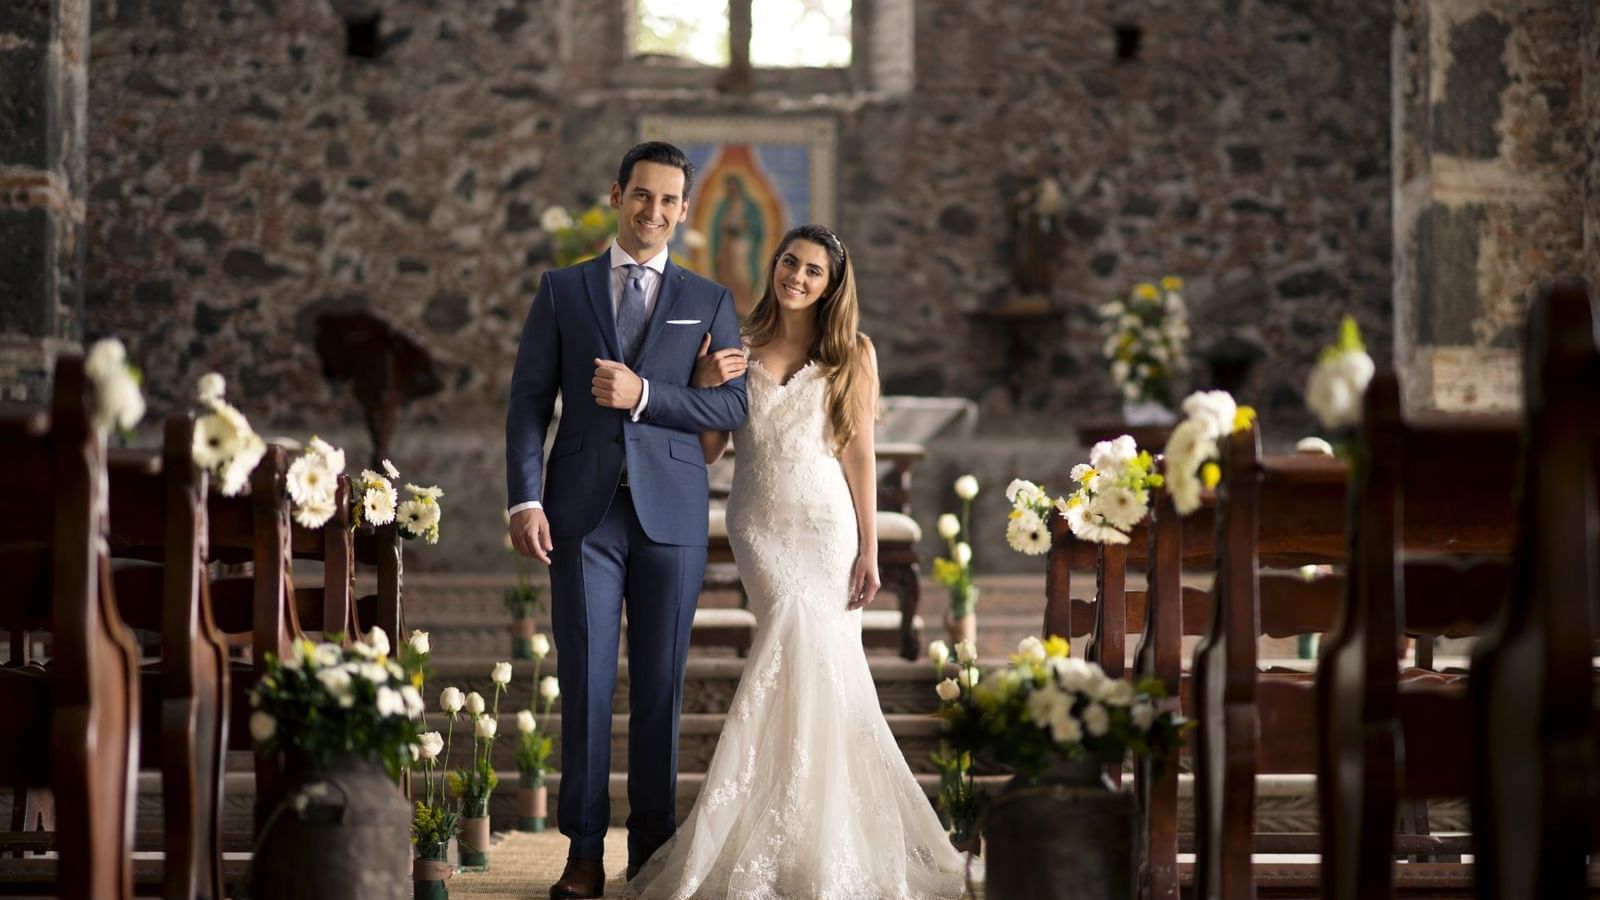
x=807 y=795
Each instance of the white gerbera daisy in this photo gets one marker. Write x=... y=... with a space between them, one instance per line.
x=216 y=438
x=314 y=513
x=310 y=480
x=1027 y=534
x=377 y=507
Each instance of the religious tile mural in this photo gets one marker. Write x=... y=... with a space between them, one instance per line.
x=757 y=178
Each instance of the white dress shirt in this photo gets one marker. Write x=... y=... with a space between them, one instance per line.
x=655 y=269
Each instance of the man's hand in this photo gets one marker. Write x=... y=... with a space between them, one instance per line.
x=530 y=534
x=615 y=385
x=716 y=369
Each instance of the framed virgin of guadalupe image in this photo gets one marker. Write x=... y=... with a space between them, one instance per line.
x=755 y=179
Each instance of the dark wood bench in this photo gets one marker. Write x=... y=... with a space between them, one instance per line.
x=72 y=727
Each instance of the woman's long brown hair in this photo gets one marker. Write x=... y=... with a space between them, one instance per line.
x=839 y=348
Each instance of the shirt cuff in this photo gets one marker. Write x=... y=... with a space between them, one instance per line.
x=531 y=504
x=644 y=400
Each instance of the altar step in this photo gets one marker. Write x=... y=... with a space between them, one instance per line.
x=1284 y=803
x=709 y=683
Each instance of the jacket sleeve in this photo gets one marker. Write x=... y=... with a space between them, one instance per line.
x=703 y=409
x=534 y=383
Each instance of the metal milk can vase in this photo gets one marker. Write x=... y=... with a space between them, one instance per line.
x=1066 y=834
x=341 y=831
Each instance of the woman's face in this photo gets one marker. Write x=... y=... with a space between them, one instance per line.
x=801 y=274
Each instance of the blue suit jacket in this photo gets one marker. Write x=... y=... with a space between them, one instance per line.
x=570 y=325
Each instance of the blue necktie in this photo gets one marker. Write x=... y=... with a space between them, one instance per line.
x=631 y=316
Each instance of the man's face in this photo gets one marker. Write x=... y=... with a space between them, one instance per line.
x=649 y=208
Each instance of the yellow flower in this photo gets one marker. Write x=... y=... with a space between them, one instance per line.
x=1075 y=500
x=1210 y=474
x=1057 y=646
x=1243 y=418
x=1144 y=290
x=1172 y=283
x=1016 y=514
x=592 y=218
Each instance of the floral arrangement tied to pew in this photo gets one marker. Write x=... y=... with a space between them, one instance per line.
x=1190 y=458
x=1334 y=390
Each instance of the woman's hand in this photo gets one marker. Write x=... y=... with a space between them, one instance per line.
x=716 y=369
x=864 y=583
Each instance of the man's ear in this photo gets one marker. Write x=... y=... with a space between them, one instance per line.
x=616 y=195
x=683 y=212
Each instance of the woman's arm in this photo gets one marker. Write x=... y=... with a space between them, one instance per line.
x=859 y=461
x=713 y=370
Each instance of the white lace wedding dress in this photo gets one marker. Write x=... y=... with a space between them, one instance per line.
x=807 y=795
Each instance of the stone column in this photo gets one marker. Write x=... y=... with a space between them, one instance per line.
x=1489 y=168
x=1590 y=48
x=44 y=47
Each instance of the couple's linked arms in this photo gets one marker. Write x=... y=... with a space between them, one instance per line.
x=535 y=382
x=858 y=459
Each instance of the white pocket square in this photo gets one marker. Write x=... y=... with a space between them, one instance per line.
x=683 y=321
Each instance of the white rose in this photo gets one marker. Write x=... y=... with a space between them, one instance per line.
x=541 y=646
x=1215 y=410
x=1046 y=705
x=431 y=743
x=262 y=726
x=390 y=702
x=969 y=676
x=413 y=699
x=1072 y=673
x=948 y=690
x=211 y=387
x=378 y=640
x=450 y=700
x=337 y=682
x=1116 y=692
x=501 y=674
x=475 y=705
x=964 y=554
x=966 y=652
x=554 y=219
x=1066 y=729
x=419 y=641
x=966 y=487
x=949 y=526
x=1313 y=445
x=485 y=727
x=1096 y=720
x=1143 y=715
x=939 y=653
x=525 y=722
x=1031 y=648
x=550 y=688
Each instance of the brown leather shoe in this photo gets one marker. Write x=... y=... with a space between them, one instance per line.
x=583 y=878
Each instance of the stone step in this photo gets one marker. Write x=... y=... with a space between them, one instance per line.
x=1284 y=803
x=709 y=683
x=916 y=734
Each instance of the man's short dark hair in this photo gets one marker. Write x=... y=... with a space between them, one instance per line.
x=656 y=152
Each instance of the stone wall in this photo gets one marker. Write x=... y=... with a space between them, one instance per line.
x=246 y=174
x=43 y=93
x=1491 y=162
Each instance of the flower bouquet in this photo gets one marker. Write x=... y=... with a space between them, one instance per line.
x=474 y=785
x=533 y=751
x=1144 y=346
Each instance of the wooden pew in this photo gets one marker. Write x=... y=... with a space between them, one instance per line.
x=81 y=712
x=1533 y=711
x=1384 y=734
x=158 y=511
x=255 y=527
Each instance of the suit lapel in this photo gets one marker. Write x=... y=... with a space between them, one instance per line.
x=672 y=279
x=597 y=280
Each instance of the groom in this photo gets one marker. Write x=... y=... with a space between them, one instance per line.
x=620 y=517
